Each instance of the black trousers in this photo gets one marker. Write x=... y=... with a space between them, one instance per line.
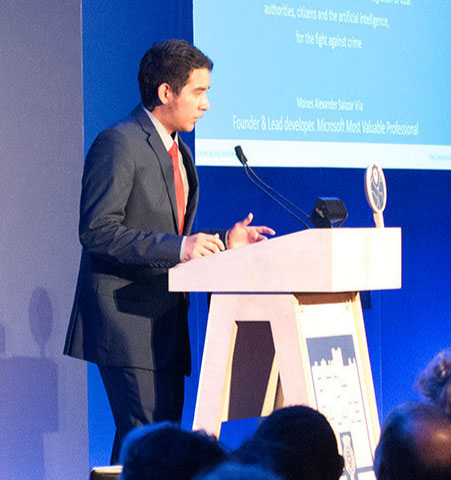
x=139 y=396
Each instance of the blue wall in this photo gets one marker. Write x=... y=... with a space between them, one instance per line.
x=405 y=328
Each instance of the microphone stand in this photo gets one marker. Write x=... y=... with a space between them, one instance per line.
x=267 y=190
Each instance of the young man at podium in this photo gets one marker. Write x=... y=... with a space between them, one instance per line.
x=138 y=202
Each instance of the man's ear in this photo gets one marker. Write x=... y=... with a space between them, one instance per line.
x=165 y=93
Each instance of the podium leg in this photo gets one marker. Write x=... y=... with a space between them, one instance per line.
x=214 y=381
x=226 y=312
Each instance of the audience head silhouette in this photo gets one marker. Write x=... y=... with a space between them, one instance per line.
x=435 y=382
x=297 y=443
x=236 y=471
x=415 y=444
x=164 y=451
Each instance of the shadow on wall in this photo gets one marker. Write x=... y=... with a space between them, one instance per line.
x=28 y=397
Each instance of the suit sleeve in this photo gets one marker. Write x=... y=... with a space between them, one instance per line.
x=108 y=180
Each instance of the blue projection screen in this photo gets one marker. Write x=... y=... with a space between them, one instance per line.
x=327 y=83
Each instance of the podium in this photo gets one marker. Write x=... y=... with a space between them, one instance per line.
x=285 y=327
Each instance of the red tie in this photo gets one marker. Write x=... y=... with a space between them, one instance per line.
x=179 y=190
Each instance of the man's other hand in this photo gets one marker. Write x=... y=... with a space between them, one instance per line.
x=241 y=234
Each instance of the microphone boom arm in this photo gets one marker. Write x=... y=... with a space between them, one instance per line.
x=267 y=190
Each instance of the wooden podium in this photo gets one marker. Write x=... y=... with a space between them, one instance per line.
x=286 y=327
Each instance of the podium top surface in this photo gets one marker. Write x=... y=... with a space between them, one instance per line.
x=317 y=260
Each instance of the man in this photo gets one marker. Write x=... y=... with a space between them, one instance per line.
x=138 y=201
x=415 y=444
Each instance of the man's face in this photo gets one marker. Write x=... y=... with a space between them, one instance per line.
x=183 y=110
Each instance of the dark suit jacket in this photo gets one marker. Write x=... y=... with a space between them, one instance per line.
x=123 y=313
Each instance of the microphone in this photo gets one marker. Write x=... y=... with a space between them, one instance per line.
x=240 y=154
x=267 y=190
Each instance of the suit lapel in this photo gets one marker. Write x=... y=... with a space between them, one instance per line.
x=156 y=144
x=193 y=196
x=161 y=154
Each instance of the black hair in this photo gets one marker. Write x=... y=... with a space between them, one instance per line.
x=163 y=451
x=297 y=443
x=171 y=62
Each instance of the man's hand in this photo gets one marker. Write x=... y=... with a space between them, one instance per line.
x=202 y=244
x=241 y=234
